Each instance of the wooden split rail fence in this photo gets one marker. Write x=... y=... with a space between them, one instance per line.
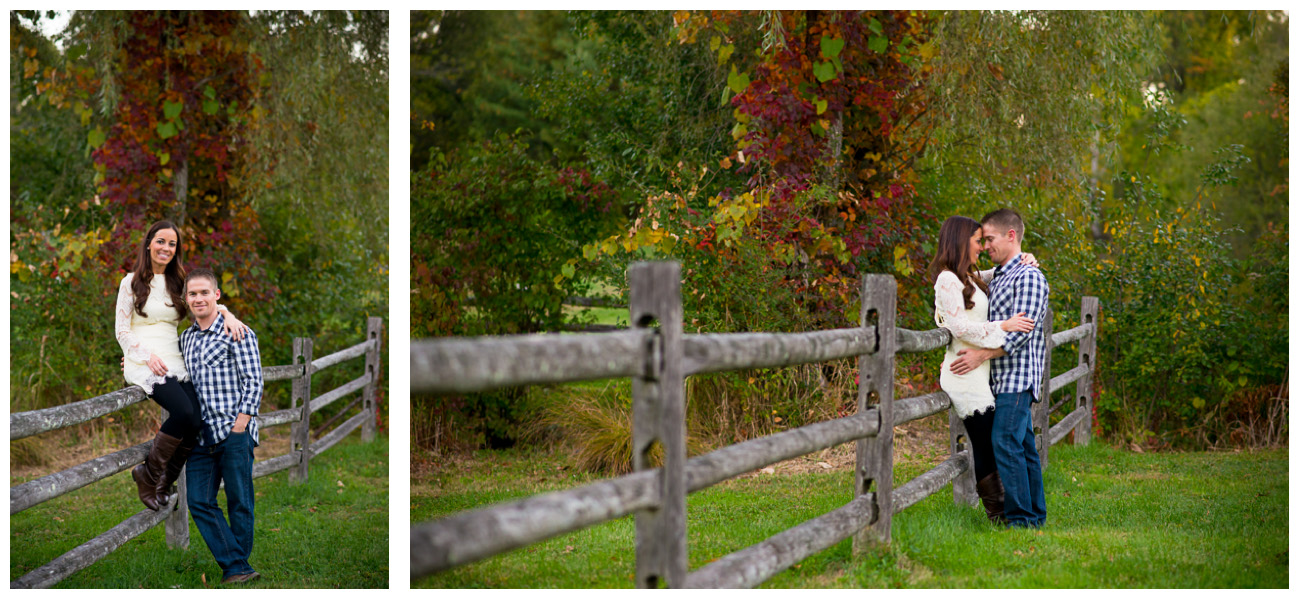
x=176 y=513
x=658 y=357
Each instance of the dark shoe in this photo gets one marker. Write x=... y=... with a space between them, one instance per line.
x=149 y=474
x=241 y=578
x=992 y=495
x=174 y=466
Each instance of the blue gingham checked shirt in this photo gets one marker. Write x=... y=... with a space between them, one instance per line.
x=227 y=375
x=1017 y=288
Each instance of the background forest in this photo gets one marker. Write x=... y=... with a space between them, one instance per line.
x=780 y=155
x=264 y=135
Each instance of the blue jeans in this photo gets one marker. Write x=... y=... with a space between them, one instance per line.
x=1017 y=460
x=230 y=460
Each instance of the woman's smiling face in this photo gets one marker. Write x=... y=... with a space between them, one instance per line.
x=975 y=245
x=162 y=248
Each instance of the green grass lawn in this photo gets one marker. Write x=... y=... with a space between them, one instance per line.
x=1115 y=519
x=331 y=532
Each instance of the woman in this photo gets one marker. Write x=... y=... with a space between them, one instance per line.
x=962 y=307
x=150 y=305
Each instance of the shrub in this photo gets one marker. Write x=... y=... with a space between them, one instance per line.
x=597 y=425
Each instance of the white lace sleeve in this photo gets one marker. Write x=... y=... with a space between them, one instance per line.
x=132 y=348
x=987 y=275
x=950 y=313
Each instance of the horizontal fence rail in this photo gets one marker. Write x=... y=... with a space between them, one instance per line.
x=466 y=365
x=716 y=352
x=480 y=364
x=503 y=527
x=36 y=491
x=32 y=493
x=758 y=563
x=931 y=481
x=91 y=551
x=454 y=365
x=35 y=422
x=26 y=424
x=470 y=536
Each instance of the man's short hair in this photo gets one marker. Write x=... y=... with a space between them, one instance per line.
x=1006 y=219
x=204 y=274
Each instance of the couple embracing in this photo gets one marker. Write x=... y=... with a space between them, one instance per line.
x=208 y=378
x=993 y=369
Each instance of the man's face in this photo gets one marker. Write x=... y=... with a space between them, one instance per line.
x=202 y=296
x=1000 y=243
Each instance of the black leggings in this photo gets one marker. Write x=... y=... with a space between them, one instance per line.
x=979 y=428
x=184 y=419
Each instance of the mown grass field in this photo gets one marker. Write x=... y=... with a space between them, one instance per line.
x=330 y=532
x=1116 y=519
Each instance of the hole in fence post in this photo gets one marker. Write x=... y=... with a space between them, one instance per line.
x=867 y=484
x=873 y=320
x=648 y=321
x=1087 y=360
x=652 y=455
x=652 y=582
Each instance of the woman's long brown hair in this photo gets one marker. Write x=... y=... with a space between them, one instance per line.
x=953 y=255
x=174 y=273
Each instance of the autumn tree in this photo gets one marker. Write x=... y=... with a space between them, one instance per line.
x=224 y=122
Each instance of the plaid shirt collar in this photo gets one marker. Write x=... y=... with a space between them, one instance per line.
x=218 y=324
x=1007 y=267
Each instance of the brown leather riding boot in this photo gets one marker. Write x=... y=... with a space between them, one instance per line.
x=992 y=495
x=174 y=466
x=148 y=474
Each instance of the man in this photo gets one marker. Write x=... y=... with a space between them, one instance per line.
x=1017 y=368
x=228 y=377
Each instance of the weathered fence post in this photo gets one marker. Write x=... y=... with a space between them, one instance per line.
x=300 y=433
x=659 y=418
x=1087 y=357
x=178 y=516
x=374 y=333
x=1044 y=405
x=875 y=461
x=963 y=487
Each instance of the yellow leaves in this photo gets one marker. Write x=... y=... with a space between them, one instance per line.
x=901 y=264
x=823 y=245
x=927 y=51
x=1197 y=260
x=229 y=286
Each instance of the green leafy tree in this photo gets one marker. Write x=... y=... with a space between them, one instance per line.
x=470 y=74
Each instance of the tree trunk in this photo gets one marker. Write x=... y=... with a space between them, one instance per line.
x=180 y=189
